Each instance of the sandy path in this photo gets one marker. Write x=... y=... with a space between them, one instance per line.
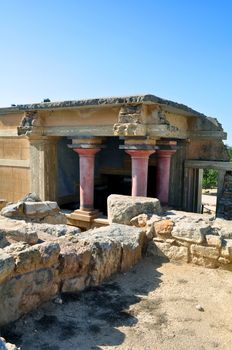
x=151 y=307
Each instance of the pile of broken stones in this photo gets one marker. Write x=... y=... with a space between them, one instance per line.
x=42 y=257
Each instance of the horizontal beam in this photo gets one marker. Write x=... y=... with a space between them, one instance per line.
x=205 y=164
x=16 y=163
x=79 y=130
x=8 y=133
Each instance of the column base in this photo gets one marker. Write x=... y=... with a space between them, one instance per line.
x=85 y=215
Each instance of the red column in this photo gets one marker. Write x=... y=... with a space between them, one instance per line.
x=163 y=174
x=139 y=165
x=86 y=157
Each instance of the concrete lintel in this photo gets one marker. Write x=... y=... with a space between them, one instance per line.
x=205 y=164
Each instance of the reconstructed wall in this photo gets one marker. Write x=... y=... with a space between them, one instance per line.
x=14 y=168
x=30 y=275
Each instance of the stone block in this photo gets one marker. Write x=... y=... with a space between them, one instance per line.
x=163 y=228
x=40 y=209
x=7 y=265
x=191 y=231
x=121 y=209
x=173 y=253
x=206 y=252
x=206 y=262
x=213 y=240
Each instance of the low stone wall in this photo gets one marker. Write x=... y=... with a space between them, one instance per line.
x=32 y=274
x=175 y=235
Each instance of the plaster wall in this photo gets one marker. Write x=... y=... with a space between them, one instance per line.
x=85 y=116
x=14 y=168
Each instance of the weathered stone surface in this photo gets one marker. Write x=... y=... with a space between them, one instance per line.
x=49 y=253
x=7 y=265
x=40 y=208
x=31 y=197
x=13 y=210
x=24 y=293
x=207 y=252
x=191 y=231
x=35 y=210
x=206 y=262
x=140 y=220
x=38 y=256
x=173 y=253
x=121 y=209
x=163 y=228
x=223 y=228
x=75 y=284
x=74 y=259
x=213 y=240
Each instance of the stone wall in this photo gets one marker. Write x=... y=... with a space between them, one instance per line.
x=14 y=168
x=33 y=273
x=175 y=235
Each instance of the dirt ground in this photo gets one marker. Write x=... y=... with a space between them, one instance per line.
x=153 y=306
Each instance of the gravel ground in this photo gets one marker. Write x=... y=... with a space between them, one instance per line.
x=156 y=305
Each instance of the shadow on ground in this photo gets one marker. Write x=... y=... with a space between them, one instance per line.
x=90 y=319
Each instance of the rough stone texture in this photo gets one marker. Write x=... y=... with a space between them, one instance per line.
x=206 y=252
x=206 y=262
x=191 y=231
x=213 y=240
x=7 y=265
x=33 y=274
x=25 y=292
x=121 y=209
x=223 y=228
x=172 y=252
x=139 y=221
x=163 y=228
x=31 y=208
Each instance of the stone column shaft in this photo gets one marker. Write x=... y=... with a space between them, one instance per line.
x=86 y=159
x=139 y=165
x=163 y=174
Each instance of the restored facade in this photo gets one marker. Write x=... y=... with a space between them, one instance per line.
x=81 y=151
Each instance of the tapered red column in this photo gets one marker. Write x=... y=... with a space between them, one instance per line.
x=139 y=165
x=163 y=174
x=86 y=159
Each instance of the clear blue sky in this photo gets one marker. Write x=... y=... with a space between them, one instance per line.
x=67 y=49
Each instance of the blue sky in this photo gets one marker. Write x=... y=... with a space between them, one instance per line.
x=179 y=49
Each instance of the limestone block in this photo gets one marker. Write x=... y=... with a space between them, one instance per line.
x=190 y=231
x=114 y=248
x=40 y=209
x=223 y=228
x=13 y=210
x=7 y=265
x=121 y=209
x=140 y=220
x=163 y=228
x=75 y=284
x=49 y=252
x=173 y=253
x=28 y=259
x=213 y=240
x=24 y=293
x=207 y=252
x=74 y=259
x=206 y=262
